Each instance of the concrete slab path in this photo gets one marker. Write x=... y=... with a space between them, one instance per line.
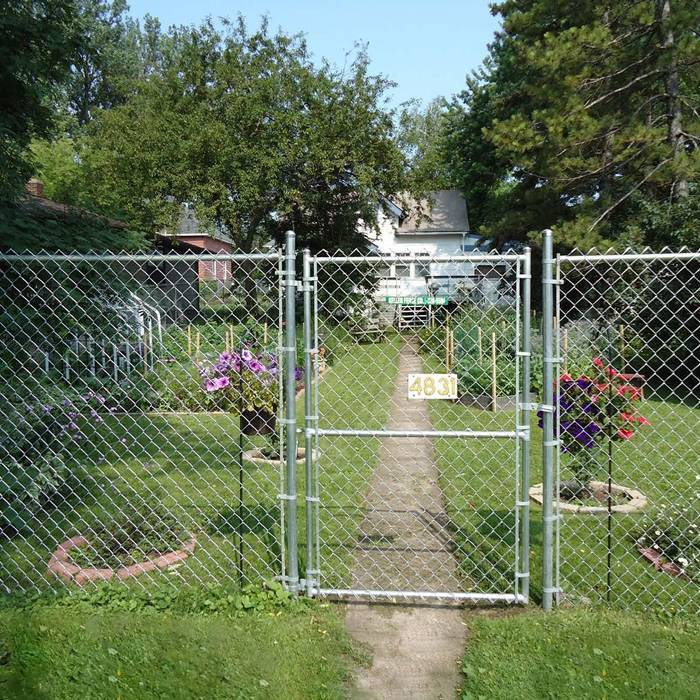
x=404 y=545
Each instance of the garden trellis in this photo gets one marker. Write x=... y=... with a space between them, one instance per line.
x=127 y=382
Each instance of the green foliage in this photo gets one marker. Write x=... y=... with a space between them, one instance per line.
x=140 y=526
x=29 y=227
x=300 y=147
x=41 y=462
x=37 y=40
x=580 y=115
x=674 y=531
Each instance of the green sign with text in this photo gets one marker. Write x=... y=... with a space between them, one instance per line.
x=417 y=301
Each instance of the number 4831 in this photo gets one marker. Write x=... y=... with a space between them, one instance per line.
x=432 y=386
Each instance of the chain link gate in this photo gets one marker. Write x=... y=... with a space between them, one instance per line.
x=623 y=332
x=127 y=384
x=409 y=497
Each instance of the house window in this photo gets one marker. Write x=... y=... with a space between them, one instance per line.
x=422 y=269
x=469 y=247
x=403 y=270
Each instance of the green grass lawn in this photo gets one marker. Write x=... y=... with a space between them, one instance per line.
x=295 y=652
x=477 y=479
x=189 y=463
x=580 y=654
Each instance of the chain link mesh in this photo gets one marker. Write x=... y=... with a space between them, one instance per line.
x=430 y=509
x=123 y=389
x=632 y=323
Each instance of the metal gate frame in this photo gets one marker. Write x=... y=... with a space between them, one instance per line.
x=520 y=435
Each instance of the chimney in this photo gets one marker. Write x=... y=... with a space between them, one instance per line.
x=35 y=187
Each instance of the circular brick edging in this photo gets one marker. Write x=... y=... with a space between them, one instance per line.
x=255 y=455
x=637 y=500
x=62 y=565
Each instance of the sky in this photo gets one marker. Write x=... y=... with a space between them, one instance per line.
x=427 y=47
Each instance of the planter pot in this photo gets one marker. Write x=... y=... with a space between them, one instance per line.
x=256 y=456
x=636 y=500
x=485 y=401
x=258 y=422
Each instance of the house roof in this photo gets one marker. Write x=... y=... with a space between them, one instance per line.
x=189 y=225
x=447 y=213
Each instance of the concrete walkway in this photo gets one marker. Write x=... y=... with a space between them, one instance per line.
x=404 y=545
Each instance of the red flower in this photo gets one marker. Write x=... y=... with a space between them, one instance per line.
x=642 y=420
x=601 y=387
x=632 y=391
x=612 y=372
x=625 y=434
x=627 y=417
x=566 y=378
x=598 y=362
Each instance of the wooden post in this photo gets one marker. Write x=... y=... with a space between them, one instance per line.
x=481 y=345
x=265 y=335
x=227 y=345
x=622 y=348
x=189 y=340
x=197 y=345
x=565 y=346
x=494 y=393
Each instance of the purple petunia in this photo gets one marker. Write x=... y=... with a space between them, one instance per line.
x=298 y=374
x=256 y=367
x=581 y=432
x=246 y=355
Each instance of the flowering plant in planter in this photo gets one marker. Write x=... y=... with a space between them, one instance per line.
x=245 y=379
x=594 y=411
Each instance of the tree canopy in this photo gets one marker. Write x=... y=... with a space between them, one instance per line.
x=243 y=127
x=584 y=118
x=37 y=41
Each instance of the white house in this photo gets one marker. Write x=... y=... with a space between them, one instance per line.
x=440 y=229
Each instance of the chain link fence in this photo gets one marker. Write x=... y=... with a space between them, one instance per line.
x=362 y=427
x=135 y=400
x=627 y=481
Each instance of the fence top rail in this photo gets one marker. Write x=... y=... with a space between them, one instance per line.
x=474 y=257
x=612 y=257
x=137 y=257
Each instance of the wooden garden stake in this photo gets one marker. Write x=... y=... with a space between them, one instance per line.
x=189 y=341
x=565 y=345
x=197 y=345
x=265 y=335
x=493 y=372
x=622 y=347
x=481 y=345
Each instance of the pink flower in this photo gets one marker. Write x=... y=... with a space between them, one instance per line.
x=598 y=362
x=625 y=434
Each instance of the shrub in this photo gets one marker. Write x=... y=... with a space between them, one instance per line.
x=673 y=531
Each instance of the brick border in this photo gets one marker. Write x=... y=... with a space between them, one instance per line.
x=637 y=500
x=256 y=456
x=62 y=566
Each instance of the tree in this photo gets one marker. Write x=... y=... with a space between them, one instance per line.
x=243 y=127
x=419 y=137
x=37 y=39
x=591 y=103
x=106 y=60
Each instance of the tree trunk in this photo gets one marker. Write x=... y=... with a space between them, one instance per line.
x=679 y=188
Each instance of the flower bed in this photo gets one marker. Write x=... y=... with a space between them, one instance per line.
x=625 y=499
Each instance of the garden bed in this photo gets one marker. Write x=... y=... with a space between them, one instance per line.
x=632 y=499
x=62 y=564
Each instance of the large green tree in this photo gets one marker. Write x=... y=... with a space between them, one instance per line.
x=37 y=41
x=587 y=112
x=245 y=128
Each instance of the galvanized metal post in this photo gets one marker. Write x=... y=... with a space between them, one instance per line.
x=525 y=430
x=547 y=408
x=290 y=421
x=309 y=355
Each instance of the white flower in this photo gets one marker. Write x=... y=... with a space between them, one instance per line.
x=682 y=561
x=657 y=532
x=655 y=546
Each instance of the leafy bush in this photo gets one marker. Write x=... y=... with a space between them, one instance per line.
x=673 y=531
x=40 y=459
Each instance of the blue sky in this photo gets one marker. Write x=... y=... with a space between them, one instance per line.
x=427 y=47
